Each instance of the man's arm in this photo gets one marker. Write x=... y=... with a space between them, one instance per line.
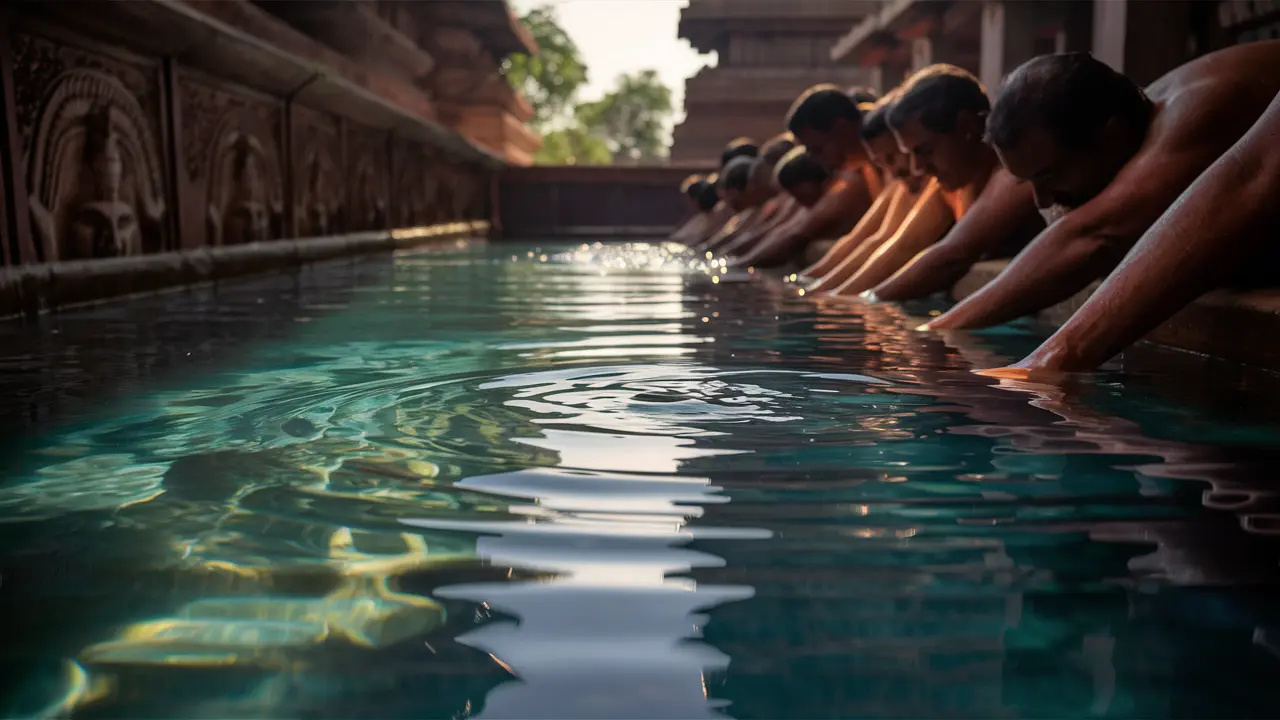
x=1004 y=208
x=928 y=222
x=690 y=228
x=736 y=225
x=1085 y=244
x=823 y=218
x=850 y=264
x=1226 y=215
x=869 y=225
x=785 y=218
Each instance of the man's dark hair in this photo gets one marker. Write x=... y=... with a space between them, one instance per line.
x=876 y=121
x=736 y=173
x=707 y=196
x=819 y=107
x=686 y=187
x=862 y=95
x=797 y=167
x=1072 y=95
x=937 y=95
x=739 y=147
x=777 y=146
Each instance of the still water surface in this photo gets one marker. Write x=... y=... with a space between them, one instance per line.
x=478 y=484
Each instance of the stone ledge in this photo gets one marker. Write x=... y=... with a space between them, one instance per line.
x=1235 y=325
x=31 y=289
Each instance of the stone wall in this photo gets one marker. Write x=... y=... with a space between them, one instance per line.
x=113 y=150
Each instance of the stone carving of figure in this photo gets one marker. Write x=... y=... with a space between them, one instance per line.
x=371 y=206
x=93 y=172
x=244 y=203
x=320 y=212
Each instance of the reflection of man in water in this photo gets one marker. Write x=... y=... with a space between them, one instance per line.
x=1087 y=140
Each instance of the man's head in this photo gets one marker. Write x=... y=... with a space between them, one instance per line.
x=938 y=119
x=801 y=176
x=762 y=186
x=692 y=188
x=740 y=147
x=733 y=183
x=706 y=195
x=883 y=148
x=1067 y=124
x=827 y=122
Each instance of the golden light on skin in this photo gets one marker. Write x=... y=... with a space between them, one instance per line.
x=923 y=328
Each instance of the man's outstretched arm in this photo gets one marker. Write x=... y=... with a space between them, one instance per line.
x=866 y=227
x=1228 y=214
x=929 y=221
x=1004 y=209
x=823 y=218
x=1084 y=245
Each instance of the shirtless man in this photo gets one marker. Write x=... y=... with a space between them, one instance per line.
x=873 y=251
x=734 y=190
x=939 y=119
x=693 y=189
x=775 y=207
x=1226 y=218
x=828 y=118
x=716 y=219
x=808 y=184
x=1107 y=160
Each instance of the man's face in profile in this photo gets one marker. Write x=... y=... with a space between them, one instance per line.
x=952 y=157
x=884 y=152
x=1060 y=176
x=829 y=147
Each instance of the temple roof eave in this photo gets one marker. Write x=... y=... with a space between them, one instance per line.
x=882 y=27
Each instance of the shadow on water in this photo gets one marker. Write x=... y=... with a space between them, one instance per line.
x=512 y=484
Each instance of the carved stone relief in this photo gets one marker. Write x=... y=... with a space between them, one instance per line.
x=319 y=204
x=415 y=185
x=92 y=161
x=232 y=163
x=369 y=177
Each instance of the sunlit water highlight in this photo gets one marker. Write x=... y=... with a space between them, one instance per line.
x=590 y=482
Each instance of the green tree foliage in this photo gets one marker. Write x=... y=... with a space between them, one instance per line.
x=632 y=118
x=572 y=146
x=627 y=123
x=549 y=80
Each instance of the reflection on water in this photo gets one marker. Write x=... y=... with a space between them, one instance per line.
x=617 y=481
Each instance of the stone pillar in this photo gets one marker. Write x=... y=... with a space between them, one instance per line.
x=921 y=53
x=991 y=56
x=1109 y=31
x=1008 y=39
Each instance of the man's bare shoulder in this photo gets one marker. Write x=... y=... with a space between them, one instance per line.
x=1213 y=100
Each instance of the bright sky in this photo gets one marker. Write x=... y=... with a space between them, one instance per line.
x=623 y=36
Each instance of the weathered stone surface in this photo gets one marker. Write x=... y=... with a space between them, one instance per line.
x=231 y=164
x=47 y=287
x=158 y=125
x=319 y=202
x=90 y=136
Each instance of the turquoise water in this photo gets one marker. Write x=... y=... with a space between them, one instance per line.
x=516 y=484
